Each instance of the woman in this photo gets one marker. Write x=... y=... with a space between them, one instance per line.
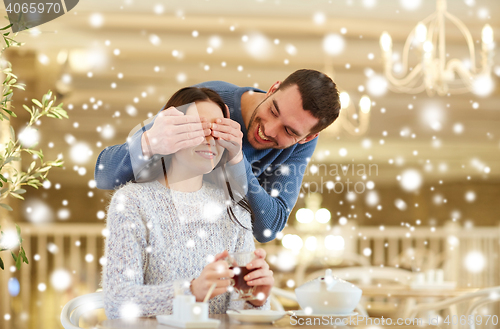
x=181 y=227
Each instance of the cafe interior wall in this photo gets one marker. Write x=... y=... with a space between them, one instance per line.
x=115 y=63
x=458 y=163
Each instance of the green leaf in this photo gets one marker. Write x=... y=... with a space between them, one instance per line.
x=1 y=263
x=6 y=206
x=28 y=109
x=20 y=191
x=19 y=262
x=3 y=178
x=25 y=259
x=11 y=113
x=37 y=102
x=6 y=27
x=32 y=166
x=2 y=191
x=17 y=196
x=18 y=229
x=13 y=256
x=9 y=159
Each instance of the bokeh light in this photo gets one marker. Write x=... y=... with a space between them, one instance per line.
x=410 y=4
x=9 y=239
x=60 y=280
x=323 y=215
x=13 y=287
x=37 y=211
x=80 y=153
x=377 y=85
x=333 y=44
x=411 y=180
x=292 y=242
x=483 y=85
x=154 y=39
x=304 y=215
x=474 y=262
x=470 y=196
x=372 y=198
x=311 y=243
x=258 y=46
x=29 y=137
x=400 y=204
x=286 y=260
x=334 y=242
x=96 y=20
x=319 y=18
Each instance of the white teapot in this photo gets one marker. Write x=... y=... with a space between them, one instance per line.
x=328 y=295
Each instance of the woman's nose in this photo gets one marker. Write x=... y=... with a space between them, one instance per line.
x=210 y=139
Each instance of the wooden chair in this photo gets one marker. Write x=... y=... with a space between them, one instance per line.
x=476 y=299
x=303 y=266
x=368 y=274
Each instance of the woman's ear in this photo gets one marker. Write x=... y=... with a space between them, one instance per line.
x=228 y=115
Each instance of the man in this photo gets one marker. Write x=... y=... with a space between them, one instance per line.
x=280 y=130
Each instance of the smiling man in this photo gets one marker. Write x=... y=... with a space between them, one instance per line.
x=280 y=130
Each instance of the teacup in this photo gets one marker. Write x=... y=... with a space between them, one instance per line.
x=238 y=262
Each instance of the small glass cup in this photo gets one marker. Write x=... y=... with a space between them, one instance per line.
x=238 y=262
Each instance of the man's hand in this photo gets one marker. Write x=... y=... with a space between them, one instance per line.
x=229 y=137
x=216 y=272
x=173 y=131
x=261 y=277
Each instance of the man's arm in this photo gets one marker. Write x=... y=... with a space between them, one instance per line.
x=274 y=197
x=114 y=166
x=167 y=133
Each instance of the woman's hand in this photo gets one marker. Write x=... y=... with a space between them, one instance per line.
x=261 y=277
x=229 y=137
x=216 y=272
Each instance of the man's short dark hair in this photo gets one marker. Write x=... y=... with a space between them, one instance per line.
x=319 y=96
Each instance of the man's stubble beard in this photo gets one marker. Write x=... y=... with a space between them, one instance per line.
x=250 y=131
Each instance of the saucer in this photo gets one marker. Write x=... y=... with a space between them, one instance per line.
x=171 y=321
x=303 y=314
x=256 y=316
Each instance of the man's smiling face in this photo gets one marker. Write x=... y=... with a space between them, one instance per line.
x=280 y=121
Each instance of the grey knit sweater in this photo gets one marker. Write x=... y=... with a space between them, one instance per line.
x=158 y=236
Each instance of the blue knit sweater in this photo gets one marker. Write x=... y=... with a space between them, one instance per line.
x=274 y=176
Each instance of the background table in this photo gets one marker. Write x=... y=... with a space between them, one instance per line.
x=401 y=291
x=226 y=323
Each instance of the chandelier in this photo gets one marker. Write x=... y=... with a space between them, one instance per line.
x=354 y=121
x=435 y=72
